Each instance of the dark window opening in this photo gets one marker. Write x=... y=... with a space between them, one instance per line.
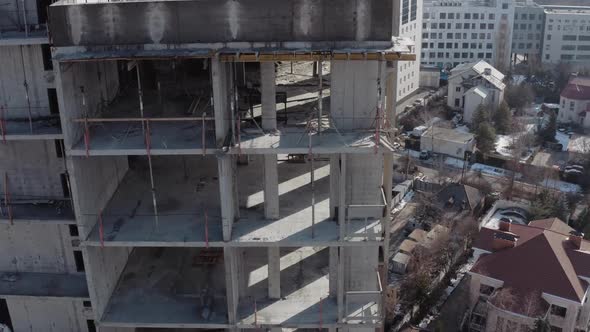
x=42 y=10
x=91 y=325
x=46 y=52
x=59 y=148
x=74 y=230
x=65 y=184
x=79 y=261
x=4 y=314
x=53 y=104
x=87 y=304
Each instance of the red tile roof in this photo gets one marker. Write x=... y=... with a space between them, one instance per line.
x=543 y=260
x=578 y=88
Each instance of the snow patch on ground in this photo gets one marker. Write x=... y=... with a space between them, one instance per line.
x=561 y=186
x=454 y=162
x=563 y=139
x=407 y=198
x=491 y=170
x=503 y=142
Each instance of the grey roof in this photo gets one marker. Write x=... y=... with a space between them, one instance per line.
x=477 y=69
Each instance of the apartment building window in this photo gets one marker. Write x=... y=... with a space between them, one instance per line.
x=572 y=105
x=490 y=26
x=441 y=45
x=523 y=16
x=433 y=35
x=470 y=55
x=405 y=11
x=482 y=26
x=432 y=55
x=482 y=35
x=74 y=230
x=466 y=26
x=467 y=16
x=434 y=25
x=476 y=16
x=458 y=25
x=489 y=46
x=584 y=48
x=449 y=45
x=464 y=55
x=79 y=259
x=492 y=16
x=570 y=37
x=46 y=53
x=567 y=57
x=458 y=35
x=440 y=35
x=505 y=6
x=456 y=55
x=425 y=35
x=414 y=11
x=450 y=35
x=568 y=47
x=473 y=35
x=451 y=16
x=443 y=16
x=548 y=37
x=488 y=55
x=523 y=26
x=424 y=45
x=465 y=45
x=441 y=55
x=585 y=38
x=431 y=45
x=426 y=15
x=550 y=27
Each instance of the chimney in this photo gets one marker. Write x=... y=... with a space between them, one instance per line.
x=487 y=71
x=505 y=224
x=503 y=241
x=576 y=239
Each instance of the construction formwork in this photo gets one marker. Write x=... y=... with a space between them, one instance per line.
x=229 y=185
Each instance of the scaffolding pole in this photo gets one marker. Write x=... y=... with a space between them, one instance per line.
x=311 y=171
x=148 y=142
x=203 y=137
x=26 y=85
x=320 y=96
x=140 y=94
x=378 y=113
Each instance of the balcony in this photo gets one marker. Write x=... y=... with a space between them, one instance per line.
x=44 y=285
x=15 y=31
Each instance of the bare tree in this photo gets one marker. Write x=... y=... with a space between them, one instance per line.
x=504 y=298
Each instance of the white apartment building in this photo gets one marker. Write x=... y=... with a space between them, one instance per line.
x=455 y=32
x=567 y=35
x=527 y=35
x=408 y=72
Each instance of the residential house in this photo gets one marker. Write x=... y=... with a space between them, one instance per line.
x=527 y=272
x=475 y=84
x=456 y=198
x=574 y=105
x=448 y=142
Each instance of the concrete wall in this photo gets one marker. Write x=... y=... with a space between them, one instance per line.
x=33 y=169
x=47 y=315
x=100 y=81
x=13 y=76
x=354 y=93
x=176 y=22
x=36 y=248
x=12 y=14
x=507 y=320
x=430 y=78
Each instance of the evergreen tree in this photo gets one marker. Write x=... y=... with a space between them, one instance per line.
x=503 y=119
x=542 y=325
x=546 y=132
x=480 y=116
x=485 y=136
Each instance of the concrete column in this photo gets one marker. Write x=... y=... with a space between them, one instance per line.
x=231 y=259
x=222 y=84
x=333 y=271
x=334 y=184
x=269 y=90
x=274 y=273
x=341 y=280
x=271 y=187
x=227 y=193
x=391 y=92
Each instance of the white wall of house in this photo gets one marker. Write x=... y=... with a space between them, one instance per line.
x=472 y=102
x=569 y=110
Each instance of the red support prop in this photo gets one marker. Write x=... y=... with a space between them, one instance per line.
x=7 y=199
x=3 y=124
x=87 y=138
x=206 y=230
x=100 y=230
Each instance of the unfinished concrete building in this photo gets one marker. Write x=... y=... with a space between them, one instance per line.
x=228 y=161
x=42 y=281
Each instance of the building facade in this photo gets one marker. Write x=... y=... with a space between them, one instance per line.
x=161 y=185
x=408 y=72
x=574 y=105
x=527 y=38
x=455 y=32
x=42 y=271
x=567 y=35
x=475 y=84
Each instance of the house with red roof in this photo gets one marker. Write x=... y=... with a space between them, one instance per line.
x=527 y=272
x=574 y=106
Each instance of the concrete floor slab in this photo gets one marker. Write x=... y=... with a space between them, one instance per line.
x=53 y=285
x=168 y=288
x=42 y=129
x=14 y=38
x=57 y=212
x=296 y=140
x=186 y=188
